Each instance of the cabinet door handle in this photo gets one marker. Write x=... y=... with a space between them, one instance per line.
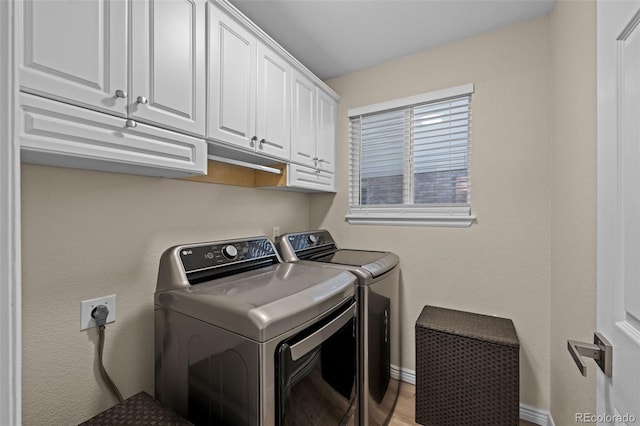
x=121 y=93
x=131 y=123
x=254 y=140
x=321 y=160
x=262 y=141
x=142 y=100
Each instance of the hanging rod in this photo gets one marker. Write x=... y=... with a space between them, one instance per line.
x=245 y=164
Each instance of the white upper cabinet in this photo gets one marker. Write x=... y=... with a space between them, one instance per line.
x=273 y=114
x=57 y=134
x=77 y=52
x=311 y=180
x=313 y=125
x=303 y=120
x=134 y=75
x=168 y=64
x=74 y=51
x=326 y=131
x=90 y=92
x=232 y=81
x=249 y=83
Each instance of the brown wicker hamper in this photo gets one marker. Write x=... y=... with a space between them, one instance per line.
x=467 y=369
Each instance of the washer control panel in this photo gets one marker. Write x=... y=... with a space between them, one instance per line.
x=308 y=240
x=227 y=253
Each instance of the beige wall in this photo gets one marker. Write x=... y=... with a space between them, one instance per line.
x=573 y=204
x=90 y=234
x=529 y=257
x=501 y=264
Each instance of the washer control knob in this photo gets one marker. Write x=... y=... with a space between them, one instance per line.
x=230 y=252
x=312 y=239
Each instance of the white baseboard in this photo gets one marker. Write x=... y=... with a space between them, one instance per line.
x=535 y=415
x=403 y=374
x=527 y=413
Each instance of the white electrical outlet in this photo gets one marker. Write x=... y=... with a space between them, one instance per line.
x=275 y=232
x=87 y=306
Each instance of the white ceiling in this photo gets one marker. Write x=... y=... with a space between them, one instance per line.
x=336 y=37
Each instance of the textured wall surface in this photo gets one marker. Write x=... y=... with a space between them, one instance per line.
x=573 y=212
x=500 y=265
x=91 y=234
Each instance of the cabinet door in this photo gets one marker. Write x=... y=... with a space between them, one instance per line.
x=232 y=81
x=74 y=51
x=326 y=132
x=273 y=114
x=57 y=134
x=168 y=64
x=303 y=120
x=310 y=179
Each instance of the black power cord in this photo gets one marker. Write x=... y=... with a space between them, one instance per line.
x=100 y=314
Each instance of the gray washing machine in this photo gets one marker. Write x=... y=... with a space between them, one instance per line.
x=244 y=339
x=377 y=294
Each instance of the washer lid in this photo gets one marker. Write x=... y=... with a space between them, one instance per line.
x=375 y=262
x=319 y=246
x=263 y=303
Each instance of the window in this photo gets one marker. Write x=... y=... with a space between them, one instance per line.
x=409 y=160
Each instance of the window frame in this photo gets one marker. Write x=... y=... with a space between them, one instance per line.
x=454 y=215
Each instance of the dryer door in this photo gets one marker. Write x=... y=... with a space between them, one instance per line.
x=315 y=373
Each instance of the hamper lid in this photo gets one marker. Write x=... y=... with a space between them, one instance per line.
x=469 y=324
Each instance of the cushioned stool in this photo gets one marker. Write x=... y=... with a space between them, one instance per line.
x=467 y=369
x=140 y=409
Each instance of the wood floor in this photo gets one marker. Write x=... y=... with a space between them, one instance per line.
x=404 y=414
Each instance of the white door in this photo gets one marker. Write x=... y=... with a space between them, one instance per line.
x=326 y=132
x=168 y=64
x=232 y=81
x=619 y=207
x=75 y=51
x=10 y=264
x=273 y=114
x=303 y=120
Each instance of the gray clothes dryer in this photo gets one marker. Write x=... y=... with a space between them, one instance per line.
x=377 y=315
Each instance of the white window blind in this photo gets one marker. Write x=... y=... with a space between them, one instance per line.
x=409 y=163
